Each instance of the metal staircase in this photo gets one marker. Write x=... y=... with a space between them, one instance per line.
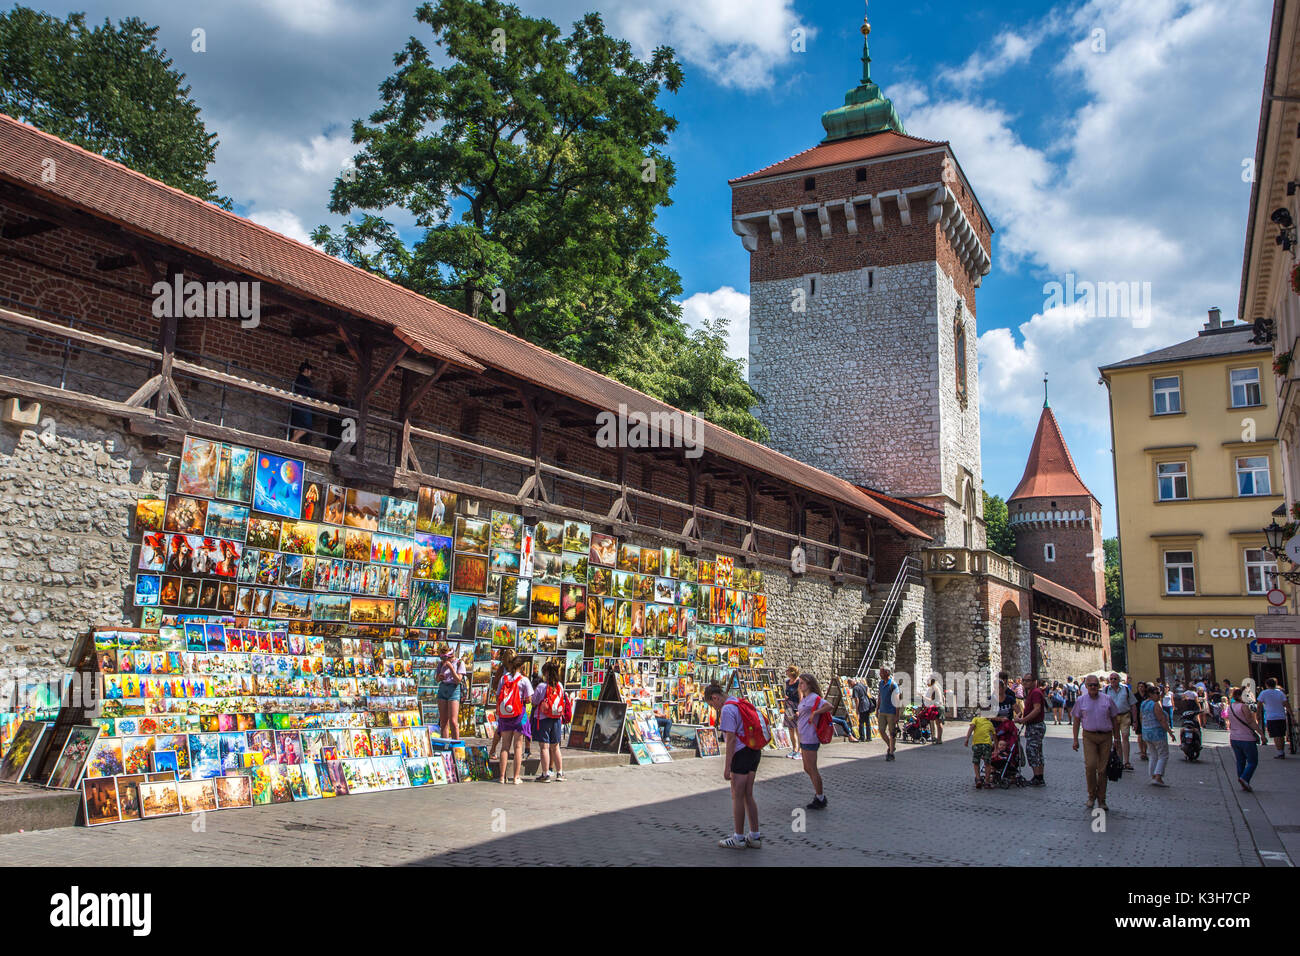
x=879 y=624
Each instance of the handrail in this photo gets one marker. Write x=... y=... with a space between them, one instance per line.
x=909 y=566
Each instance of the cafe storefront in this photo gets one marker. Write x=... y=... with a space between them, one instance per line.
x=1182 y=650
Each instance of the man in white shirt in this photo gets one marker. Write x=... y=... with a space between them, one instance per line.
x=1276 y=711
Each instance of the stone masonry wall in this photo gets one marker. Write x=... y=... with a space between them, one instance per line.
x=849 y=384
x=66 y=553
x=959 y=421
x=805 y=616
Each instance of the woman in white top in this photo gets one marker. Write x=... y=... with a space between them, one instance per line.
x=934 y=695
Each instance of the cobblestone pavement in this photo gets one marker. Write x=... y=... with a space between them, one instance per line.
x=919 y=810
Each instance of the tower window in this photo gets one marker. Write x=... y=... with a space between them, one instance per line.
x=959 y=355
x=1049 y=552
x=871 y=278
x=860 y=176
x=809 y=183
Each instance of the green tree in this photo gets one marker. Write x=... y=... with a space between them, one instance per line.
x=1114 y=609
x=997 y=526
x=694 y=373
x=532 y=165
x=108 y=89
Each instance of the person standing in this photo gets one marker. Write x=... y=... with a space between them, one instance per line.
x=301 y=418
x=1276 y=711
x=1095 y=713
x=1153 y=728
x=1035 y=724
x=451 y=685
x=548 y=705
x=811 y=706
x=1140 y=692
x=934 y=698
x=739 y=767
x=887 y=711
x=1071 y=693
x=792 y=709
x=864 y=705
x=979 y=737
x=1243 y=735
x=1126 y=704
x=1057 y=701
x=513 y=693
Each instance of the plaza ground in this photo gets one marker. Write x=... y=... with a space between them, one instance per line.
x=918 y=810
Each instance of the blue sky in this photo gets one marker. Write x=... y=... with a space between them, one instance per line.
x=1105 y=139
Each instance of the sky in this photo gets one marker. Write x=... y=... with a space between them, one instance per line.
x=1107 y=140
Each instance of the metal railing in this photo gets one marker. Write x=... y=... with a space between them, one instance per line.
x=888 y=613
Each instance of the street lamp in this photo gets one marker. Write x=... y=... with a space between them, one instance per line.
x=1275 y=535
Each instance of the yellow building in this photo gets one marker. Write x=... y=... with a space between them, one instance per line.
x=1197 y=476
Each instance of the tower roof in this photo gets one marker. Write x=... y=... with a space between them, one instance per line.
x=1050 y=471
x=866 y=110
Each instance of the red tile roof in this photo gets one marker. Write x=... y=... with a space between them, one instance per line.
x=844 y=151
x=1059 y=592
x=1050 y=471
x=892 y=502
x=110 y=191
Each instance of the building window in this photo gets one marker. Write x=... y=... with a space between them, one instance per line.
x=1049 y=552
x=1185 y=664
x=861 y=175
x=809 y=183
x=1245 y=387
x=1252 y=476
x=959 y=353
x=1171 y=481
x=1180 y=573
x=1166 y=395
x=1261 y=571
x=810 y=283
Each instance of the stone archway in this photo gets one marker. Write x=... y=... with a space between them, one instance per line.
x=1010 y=642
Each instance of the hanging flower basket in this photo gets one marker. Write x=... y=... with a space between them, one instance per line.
x=1295 y=279
x=1281 y=364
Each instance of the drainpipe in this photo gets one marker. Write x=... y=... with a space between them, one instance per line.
x=1119 y=542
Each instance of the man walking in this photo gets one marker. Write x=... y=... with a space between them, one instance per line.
x=887 y=711
x=1035 y=724
x=739 y=764
x=1276 y=712
x=1097 y=715
x=1126 y=705
x=863 y=704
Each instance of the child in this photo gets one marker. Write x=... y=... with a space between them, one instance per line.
x=811 y=706
x=739 y=765
x=980 y=732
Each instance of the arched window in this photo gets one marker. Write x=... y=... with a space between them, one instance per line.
x=959 y=355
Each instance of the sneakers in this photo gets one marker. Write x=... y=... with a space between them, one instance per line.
x=542 y=778
x=889 y=756
x=1038 y=782
x=754 y=841
x=733 y=842
x=1244 y=785
x=818 y=803
x=559 y=776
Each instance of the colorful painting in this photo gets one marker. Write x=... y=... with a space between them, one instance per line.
x=149 y=514
x=507 y=530
x=432 y=557
x=99 y=801
x=373 y=611
x=148 y=587
x=548 y=538
x=277 y=486
x=391 y=549
x=397 y=516
x=235 y=473
x=336 y=503
x=159 y=799
x=105 y=758
x=329 y=542
x=298 y=537
x=234 y=790
x=429 y=604
x=362 y=509
x=470 y=573
x=226 y=520
x=128 y=795
x=22 y=748
x=198 y=470
x=436 y=512
x=197 y=796
x=545 y=608
x=312 y=503
x=72 y=759
x=603 y=551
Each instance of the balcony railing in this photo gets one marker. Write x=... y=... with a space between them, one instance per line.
x=968 y=561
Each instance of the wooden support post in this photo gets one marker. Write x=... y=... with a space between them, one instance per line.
x=167 y=346
x=366 y=358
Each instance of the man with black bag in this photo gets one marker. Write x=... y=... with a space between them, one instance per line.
x=1096 y=714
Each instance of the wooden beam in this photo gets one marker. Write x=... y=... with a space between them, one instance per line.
x=308 y=329
x=113 y=263
x=22 y=230
x=420 y=391
x=386 y=369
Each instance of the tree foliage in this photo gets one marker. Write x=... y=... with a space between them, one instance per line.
x=109 y=89
x=532 y=165
x=694 y=373
x=997 y=526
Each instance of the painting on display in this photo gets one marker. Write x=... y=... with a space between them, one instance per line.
x=436 y=512
x=72 y=759
x=278 y=486
x=198 y=468
x=21 y=749
x=99 y=801
x=470 y=574
x=584 y=720
x=235 y=473
x=607 y=728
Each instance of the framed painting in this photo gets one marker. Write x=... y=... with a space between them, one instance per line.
x=235 y=473
x=198 y=467
x=278 y=486
x=159 y=799
x=99 y=801
x=73 y=758
x=22 y=748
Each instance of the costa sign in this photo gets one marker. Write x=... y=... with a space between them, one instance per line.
x=1235 y=633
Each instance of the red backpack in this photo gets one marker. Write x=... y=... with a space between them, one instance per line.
x=825 y=729
x=754 y=732
x=508 y=702
x=556 y=703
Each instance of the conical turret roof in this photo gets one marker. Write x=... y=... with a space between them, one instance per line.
x=1050 y=471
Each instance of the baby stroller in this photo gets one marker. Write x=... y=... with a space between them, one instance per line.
x=1007 y=763
x=917 y=729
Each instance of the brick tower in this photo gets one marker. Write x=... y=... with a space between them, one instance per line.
x=1056 y=519
x=865 y=254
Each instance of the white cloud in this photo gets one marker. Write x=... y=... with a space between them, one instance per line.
x=282 y=221
x=727 y=303
x=1009 y=49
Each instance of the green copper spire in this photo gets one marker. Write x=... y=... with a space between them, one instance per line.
x=866 y=110
x=1046 y=403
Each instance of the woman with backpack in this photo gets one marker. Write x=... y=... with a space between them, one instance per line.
x=513 y=694
x=548 y=705
x=814 y=730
